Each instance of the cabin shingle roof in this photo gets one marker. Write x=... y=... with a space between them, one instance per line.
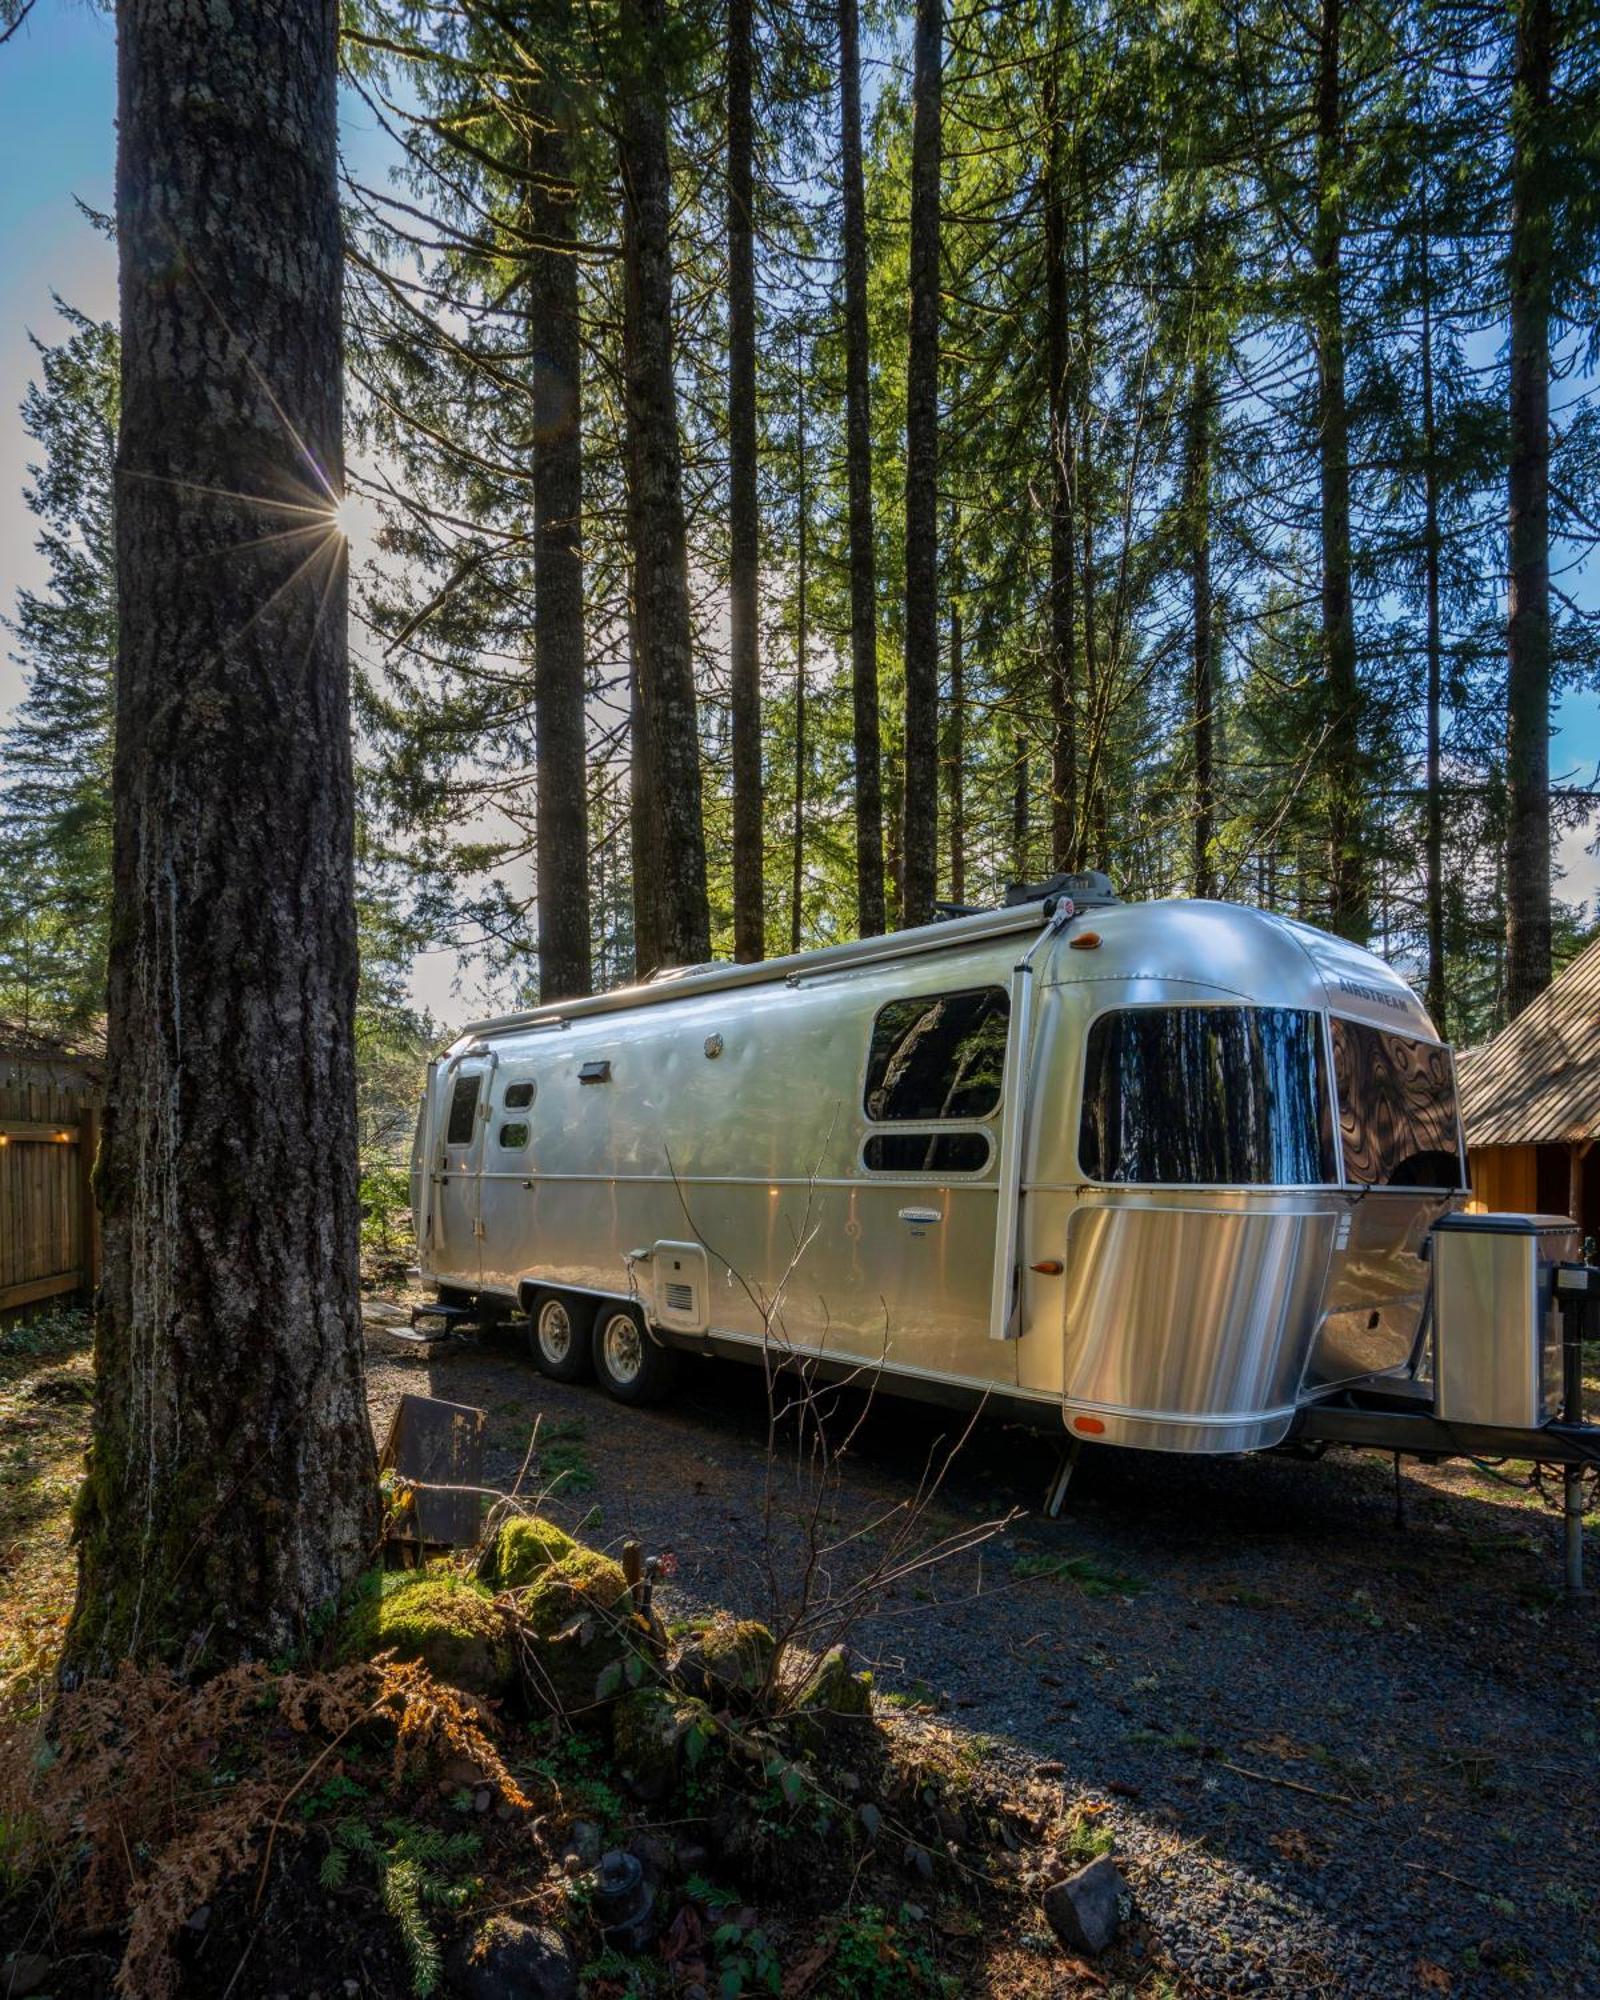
x=1538 y=1082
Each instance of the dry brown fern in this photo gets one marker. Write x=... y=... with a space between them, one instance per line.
x=151 y=1793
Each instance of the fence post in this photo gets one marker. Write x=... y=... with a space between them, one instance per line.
x=88 y=1206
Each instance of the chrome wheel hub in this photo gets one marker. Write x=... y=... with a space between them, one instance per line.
x=555 y=1331
x=623 y=1347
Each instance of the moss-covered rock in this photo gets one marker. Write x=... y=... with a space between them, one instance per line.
x=648 y=1729
x=834 y=1688
x=729 y=1660
x=522 y=1550
x=446 y=1621
x=579 y=1632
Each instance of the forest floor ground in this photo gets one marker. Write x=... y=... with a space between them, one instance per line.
x=1331 y=1756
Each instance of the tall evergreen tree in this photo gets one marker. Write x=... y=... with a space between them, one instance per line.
x=1528 y=272
x=744 y=527
x=55 y=807
x=870 y=908
x=232 y=1494
x=668 y=766
x=919 y=851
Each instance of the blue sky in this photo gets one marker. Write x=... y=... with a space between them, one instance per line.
x=57 y=141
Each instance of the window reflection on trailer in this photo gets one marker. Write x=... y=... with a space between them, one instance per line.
x=1166 y=1171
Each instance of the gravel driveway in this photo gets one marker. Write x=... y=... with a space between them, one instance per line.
x=1338 y=1757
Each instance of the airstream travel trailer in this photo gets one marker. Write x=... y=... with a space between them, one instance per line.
x=1175 y=1175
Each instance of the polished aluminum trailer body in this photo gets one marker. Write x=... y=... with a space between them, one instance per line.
x=734 y=1141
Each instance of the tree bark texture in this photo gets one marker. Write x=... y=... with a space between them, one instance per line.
x=1349 y=912
x=1528 y=945
x=870 y=913
x=1433 y=830
x=744 y=557
x=797 y=852
x=1204 y=663
x=919 y=845
x=1062 y=670
x=554 y=341
x=668 y=712
x=644 y=834
x=955 y=755
x=232 y=1487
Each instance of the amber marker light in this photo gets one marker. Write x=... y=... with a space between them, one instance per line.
x=1086 y=941
x=1047 y=1267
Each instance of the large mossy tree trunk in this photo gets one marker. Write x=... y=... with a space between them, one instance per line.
x=232 y=1490
x=870 y=910
x=662 y=623
x=555 y=343
x=1528 y=941
x=919 y=850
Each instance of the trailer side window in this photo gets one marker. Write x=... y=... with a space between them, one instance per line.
x=463 y=1109
x=519 y=1096
x=1397 y=1108
x=514 y=1137
x=1207 y=1097
x=938 y=1056
x=926 y=1153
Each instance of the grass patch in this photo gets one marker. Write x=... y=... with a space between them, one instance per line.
x=1094 y=1579
x=563 y=1460
x=46 y=1381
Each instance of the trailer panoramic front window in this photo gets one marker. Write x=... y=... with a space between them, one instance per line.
x=938 y=1056
x=1397 y=1108
x=1207 y=1097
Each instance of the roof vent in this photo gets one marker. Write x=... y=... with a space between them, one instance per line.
x=1089 y=890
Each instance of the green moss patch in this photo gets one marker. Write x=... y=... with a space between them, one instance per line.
x=578 y=1632
x=446 y=1621
x=729 y=1660
x=522 y=1550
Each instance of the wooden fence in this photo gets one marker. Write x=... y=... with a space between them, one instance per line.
x=49 y=1228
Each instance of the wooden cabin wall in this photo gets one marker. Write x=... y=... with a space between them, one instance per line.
x=1537 y=1180
x=1505 y=1180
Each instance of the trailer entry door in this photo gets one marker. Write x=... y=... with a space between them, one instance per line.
x=458 y=1251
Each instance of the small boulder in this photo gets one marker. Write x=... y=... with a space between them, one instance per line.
x=835 y=1688
x=729 y=1660
x=647 y=1731
x=448 y=1623
x=523 y=1549
x=507 y=1960
x=579 y=1631
x=1083 y=1907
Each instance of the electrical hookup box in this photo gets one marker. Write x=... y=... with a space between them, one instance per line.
x=1496 y=1325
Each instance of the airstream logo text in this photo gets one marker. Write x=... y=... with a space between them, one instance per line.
x=1360 y=992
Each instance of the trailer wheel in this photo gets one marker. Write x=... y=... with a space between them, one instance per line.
x=631 y=1365
x=559 y=1337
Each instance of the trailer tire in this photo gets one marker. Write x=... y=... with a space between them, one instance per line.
x=558 y=1335
x=630 y=1364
